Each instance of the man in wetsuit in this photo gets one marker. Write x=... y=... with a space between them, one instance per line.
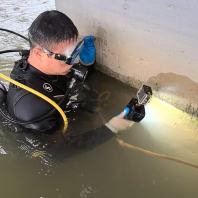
x=52 y=36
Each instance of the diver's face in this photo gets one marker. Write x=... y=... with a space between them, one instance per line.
x=54 y=66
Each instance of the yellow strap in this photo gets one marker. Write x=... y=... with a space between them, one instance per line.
x=57 y=107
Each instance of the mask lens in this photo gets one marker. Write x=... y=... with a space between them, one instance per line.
x=69 y=52
x=60 y=57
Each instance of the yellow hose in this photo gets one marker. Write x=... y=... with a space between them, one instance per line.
x=57 y=107
x=153 y=154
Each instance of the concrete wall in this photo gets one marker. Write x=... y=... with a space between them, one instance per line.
x=153 y=41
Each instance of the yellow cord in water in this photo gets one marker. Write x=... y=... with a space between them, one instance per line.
x=57 y=107
x=153 y=154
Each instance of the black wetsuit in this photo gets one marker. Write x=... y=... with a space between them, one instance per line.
x=37 y=114
x=29 y=109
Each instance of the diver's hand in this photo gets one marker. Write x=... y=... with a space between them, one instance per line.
x=118 y=123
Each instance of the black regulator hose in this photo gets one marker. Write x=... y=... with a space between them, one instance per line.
x=8 y=51
x=22 y=52
x=15 y=33
x=12 y=32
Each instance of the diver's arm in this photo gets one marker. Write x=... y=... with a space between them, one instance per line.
x=100 y=135
x=90 y=138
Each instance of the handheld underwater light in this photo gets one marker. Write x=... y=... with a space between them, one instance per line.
x=144 y=94
x=135 y=110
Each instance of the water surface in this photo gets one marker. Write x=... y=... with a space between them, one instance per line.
x=41 y=166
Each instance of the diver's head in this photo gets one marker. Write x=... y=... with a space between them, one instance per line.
x=51 y=34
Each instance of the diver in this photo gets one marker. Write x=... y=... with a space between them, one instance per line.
x=56 y=66
x=53 y=37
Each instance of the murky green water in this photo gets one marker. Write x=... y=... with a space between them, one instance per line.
x=42 y=166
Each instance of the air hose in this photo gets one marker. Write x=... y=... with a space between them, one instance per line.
x=17 y=34
x=47 y=99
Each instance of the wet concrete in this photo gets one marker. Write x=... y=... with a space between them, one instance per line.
x=176 y=89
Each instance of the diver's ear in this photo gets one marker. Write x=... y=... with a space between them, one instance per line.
x=37 y=52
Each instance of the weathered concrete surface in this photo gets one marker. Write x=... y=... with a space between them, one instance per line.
x=140 y=40
x=178 y=90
